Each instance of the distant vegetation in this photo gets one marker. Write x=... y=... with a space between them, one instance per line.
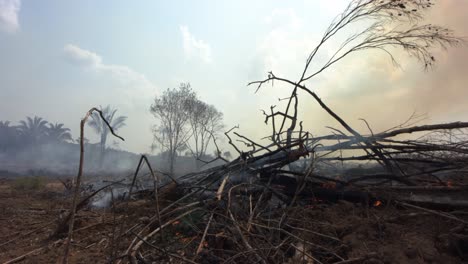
x=185 y=123
x=31 y=132
x=36 y=147
x=116 y=122
x=28 y=183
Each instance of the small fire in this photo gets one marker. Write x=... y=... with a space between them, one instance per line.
x=329 y=185
x=449 y=183
x=186 y=240
x=315 y=200
x=377 y=203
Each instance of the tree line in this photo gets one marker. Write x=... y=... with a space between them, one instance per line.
x=185 y=124
x=31 y=132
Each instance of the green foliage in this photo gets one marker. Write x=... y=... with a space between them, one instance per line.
x=9 y=138
x=28 y=183
x=58 y=133
x=31 y=132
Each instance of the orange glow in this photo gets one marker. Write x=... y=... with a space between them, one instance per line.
x=185 y=240
x=329 y=185
x=449 y=183
x=377 y=203
x=316 y=200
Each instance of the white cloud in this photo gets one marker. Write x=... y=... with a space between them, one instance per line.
x=195 y=47
x=81 y=57
x=122 y=87
x=132 y=83
x=9 y=10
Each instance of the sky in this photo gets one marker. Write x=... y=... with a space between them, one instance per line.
x=60 y=58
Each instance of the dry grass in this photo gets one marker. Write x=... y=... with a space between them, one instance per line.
x=29 y=183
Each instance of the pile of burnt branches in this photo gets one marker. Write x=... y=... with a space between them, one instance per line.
x=249 y=209
x=245 y=207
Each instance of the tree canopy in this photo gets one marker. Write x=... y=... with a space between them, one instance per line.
x=184 y=121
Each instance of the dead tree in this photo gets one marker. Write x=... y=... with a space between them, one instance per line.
x=173 y=112
x=70 y=218
x=245 y=206
x=381 y=34
x=205 y=122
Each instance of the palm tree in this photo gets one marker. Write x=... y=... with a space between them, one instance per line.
x=8 y=136
x=101 y=128
x=57 y=133
x=4 y=124
x=33 y=130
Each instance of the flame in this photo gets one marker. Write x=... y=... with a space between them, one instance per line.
x=377 y=203
x=329 y=185
x=185 y=240
x=449 y=183
x=316 y=200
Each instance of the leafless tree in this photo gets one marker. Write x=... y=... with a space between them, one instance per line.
x=172 y=110
x=390 y=24
x=253 y=226
x=205 y=123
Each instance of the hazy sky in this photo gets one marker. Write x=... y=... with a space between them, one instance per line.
x=60 y=58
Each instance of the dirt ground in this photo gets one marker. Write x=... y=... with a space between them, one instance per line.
x=28 y=220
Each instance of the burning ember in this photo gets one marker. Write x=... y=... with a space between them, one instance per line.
x=186 y=240
x=449 y=183
x=316 y=200
x=377 y=203
x=329 y=185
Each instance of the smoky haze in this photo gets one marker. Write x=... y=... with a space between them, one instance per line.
x=370 y=87
x=68 y=71
x=36 y=147
x=61 y=159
